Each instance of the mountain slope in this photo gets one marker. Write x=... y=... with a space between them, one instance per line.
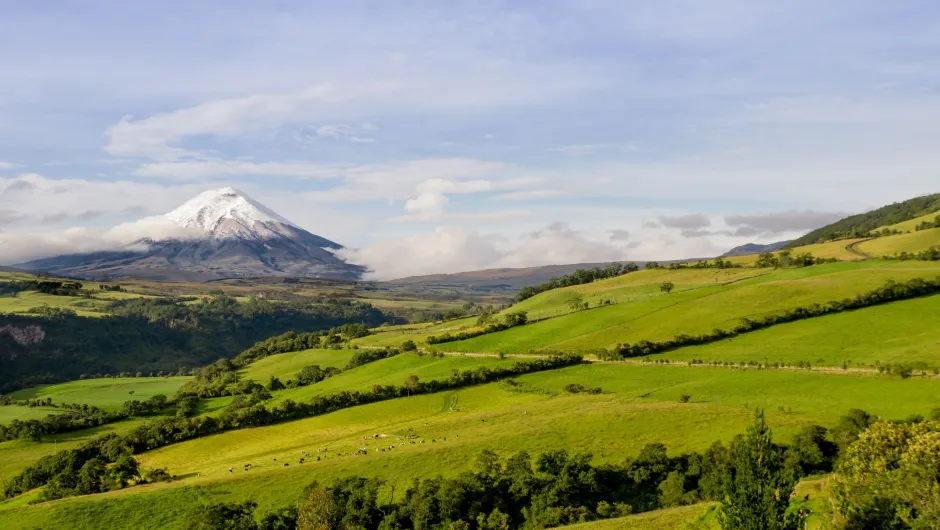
x=860 y=225
x=755 y=248
x=233 y=236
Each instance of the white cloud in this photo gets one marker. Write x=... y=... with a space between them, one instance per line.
x=686 y=222
x=528 y=195
x=25 y=246
x=451 y=249
x=212 y=168
x=8 y=165
x=342 y=131
x=157 y=136
x=773 y=223
x=578 y=149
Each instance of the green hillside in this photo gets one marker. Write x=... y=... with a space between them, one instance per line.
x=695 y=310
x=105 y=393
x=610 y=410
x=860 y=225
x=287 y=365
x=899 y=332
x=909 y=242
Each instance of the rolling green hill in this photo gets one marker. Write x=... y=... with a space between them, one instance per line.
x=686 y=405
x=694 y=310
x=860 y=225
x=106 y=393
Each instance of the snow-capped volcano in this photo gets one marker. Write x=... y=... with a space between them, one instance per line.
x=228 y=213
x=242 y=237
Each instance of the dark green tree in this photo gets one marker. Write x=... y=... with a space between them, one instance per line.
x=757 y=484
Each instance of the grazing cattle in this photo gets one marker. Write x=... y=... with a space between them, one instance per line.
x=230 y=470
x=286 y=464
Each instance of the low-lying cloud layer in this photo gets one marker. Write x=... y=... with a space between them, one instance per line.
x=451 y=249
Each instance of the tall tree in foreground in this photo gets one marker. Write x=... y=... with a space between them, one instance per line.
x=757 y=485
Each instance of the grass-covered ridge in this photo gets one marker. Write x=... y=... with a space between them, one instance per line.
x=860 y=225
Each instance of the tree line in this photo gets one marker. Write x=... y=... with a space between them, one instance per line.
x=578 y=277
x=863 y=224
x=927 y=225
x=167 y=431
x=752 y=477
x=930 y=254
x=891 y=291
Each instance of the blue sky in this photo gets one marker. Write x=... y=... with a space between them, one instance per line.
x=433 y=136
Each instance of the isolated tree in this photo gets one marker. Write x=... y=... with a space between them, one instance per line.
x=319 y=511
x=412 y=382
x=125 y=470
x=767 y=260
x=757 y=485
x=275 y=384
x=667 y=287
x=575 y=302
x=409 y=345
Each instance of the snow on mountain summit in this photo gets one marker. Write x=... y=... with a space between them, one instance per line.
x=230 y=213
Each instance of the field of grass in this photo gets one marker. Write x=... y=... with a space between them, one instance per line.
x=639 y=406
x=391 y=371
x=106 y=393
x=911 y=225
x=287 y=365
x=628 y=288
x=15 y=412
x=899 y=332
x=912 y=242
x=24 y=301
x=696 y=310
x=396 y=335
x=694 y=517
x=17 y=454
x=832 y=249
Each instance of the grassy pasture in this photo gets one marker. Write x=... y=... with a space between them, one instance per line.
x=899 y=332
x=24 y=301
x=287 y=365
x=912 y=242
x=696 y=516
x=15 y=412
x=106 y=393
x=396 y=335
x=639 y=406
x=391 y=371
x=697 y=310
x=911 y=225
x=831 y=249
x=17 y=454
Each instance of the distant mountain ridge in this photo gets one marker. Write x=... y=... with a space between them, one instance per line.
x=861 y=224
x=755 y=248
x=231 y=235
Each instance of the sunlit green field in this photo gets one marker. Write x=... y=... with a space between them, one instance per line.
x=696 y=516
x=24 y=301
x=15 y=412
x=106 y=393
x=697 y=310
x=911 y=225
x=391 y=371
x=899 y=332
x=396 y=335
x=17 y=454
x=287 y=365
x=639 y=405
x=832 y=249
x=912 y=242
